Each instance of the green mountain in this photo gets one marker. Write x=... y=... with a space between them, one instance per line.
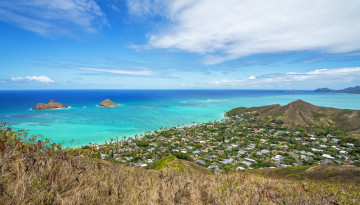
x=352 y=90
x=300 y=113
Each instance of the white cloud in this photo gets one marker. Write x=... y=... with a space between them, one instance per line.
x=229 y=29
x=37 y=79
x=323 y=76
x=53 y=17
x=143 y=71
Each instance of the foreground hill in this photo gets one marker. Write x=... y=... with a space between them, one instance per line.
x=36 y=172
x=352 y=90
x=300 y=113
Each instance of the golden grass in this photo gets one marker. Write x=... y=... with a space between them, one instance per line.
x=35 y=174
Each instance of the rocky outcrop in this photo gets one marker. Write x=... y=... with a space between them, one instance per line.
x=52 y=104
x=108 y=103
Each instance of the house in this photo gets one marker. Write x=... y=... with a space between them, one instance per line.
x=250 y=160
x=310 y=154
x=329 y=135
x=103 y=156
x=200 y=161
x=335 y=140
x=327 y=156
x=343 y=153
x=303 y=157
x=277 y=158
x=297 y=133
x=196 y=152
x=246 y=163
x=227 y=161
x=213 y=156
x=265 y=151
x=350 y=145
x=240 y=152
x=316 y=150
x=239 y=168
x=213 y=166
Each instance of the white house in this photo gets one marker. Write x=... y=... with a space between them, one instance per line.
x=277 y=158
x=327 y=156
x=239 y=168
x=250 y=160
x=350 y=145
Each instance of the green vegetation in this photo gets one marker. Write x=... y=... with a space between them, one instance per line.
x=168 y=162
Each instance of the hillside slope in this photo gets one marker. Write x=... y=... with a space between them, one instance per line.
x=36 y=172
x=300 y=113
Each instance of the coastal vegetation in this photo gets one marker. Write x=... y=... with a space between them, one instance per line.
x=239 y=160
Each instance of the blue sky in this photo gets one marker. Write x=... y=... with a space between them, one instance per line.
x=179 y=44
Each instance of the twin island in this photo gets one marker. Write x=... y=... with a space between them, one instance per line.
x=52 y=105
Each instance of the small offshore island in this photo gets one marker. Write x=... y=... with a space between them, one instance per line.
x=51 y=105
x=108 y=103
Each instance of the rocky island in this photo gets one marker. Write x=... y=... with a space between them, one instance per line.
x=107 y=103
x=51 y=105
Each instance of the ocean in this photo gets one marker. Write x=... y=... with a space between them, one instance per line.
x=140 y=110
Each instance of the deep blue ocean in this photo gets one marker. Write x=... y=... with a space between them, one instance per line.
x=140 y=110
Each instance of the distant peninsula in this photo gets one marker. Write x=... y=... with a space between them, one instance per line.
x=107 y=103
x=51 y=105
x=352 y=90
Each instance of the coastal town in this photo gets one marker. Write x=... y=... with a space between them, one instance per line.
x=236 y=143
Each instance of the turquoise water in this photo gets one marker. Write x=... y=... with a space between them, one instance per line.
x=140 y=110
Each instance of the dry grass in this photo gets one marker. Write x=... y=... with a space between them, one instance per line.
x=35 y=174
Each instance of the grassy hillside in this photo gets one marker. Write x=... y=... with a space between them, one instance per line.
x=323 y=173
x=300 y=113
x=37 y=172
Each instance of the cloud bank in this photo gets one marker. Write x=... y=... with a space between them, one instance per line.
x=53 y=17
x=36 y=79
x=230 y=29
x=324 y=76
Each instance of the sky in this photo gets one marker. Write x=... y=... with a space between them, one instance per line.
x=179 y=44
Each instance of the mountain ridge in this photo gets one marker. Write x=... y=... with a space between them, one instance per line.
x=301 y=113
x=352 y=90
